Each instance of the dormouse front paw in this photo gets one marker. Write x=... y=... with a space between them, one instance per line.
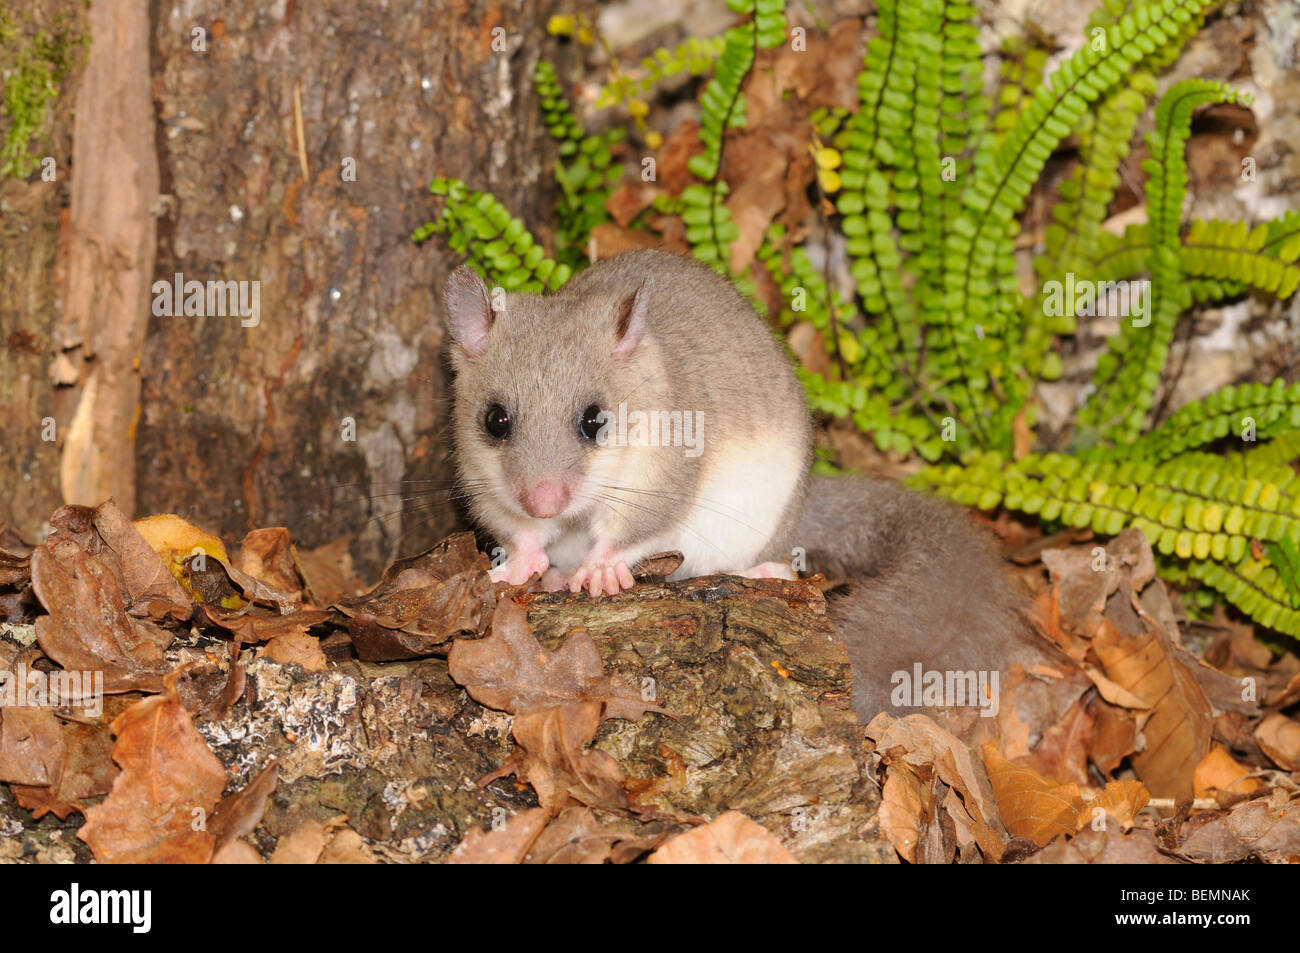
x=603 y=571
x=526 y=559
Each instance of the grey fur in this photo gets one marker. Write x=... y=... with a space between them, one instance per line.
x=548 y=357
x=926 y=585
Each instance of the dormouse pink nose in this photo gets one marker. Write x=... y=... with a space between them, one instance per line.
x=545 y=499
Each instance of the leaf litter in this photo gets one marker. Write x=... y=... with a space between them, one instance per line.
x=1132 y=749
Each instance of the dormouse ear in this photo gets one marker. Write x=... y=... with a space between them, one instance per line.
x=630 y=318
x=469 y=312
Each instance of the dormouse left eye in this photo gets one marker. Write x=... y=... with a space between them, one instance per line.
x=590 y=422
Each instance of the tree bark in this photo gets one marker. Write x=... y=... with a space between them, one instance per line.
x=322 y=415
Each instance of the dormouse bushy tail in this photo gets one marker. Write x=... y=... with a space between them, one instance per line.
x=926 y=586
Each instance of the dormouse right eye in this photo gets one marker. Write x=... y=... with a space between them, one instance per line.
x=497 y=422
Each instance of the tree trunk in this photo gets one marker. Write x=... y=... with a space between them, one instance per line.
x=295 y=142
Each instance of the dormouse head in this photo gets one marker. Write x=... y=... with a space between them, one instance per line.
x=537 y=379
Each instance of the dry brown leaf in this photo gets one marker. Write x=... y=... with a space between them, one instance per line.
x=917 y=740
x=730 y=839
x=86 y=769
x=256 y=590
x=963 y=829
x=608 y=240
x=169 y=784
x=1109 y=845
x=657 y=566
x=266 y=554
x=87 y=629
x=15 y=558
x=1266 y=829
x=302 y=845
x=671 y=157
x=629 y=200
x=295 y=647
x=1287 y=694
x=1031 y=806
x=510 y=671
x=151 y=589
x=327 y=572
x=1279 y=737
x=254 y=624
x=1114 y=736
x=237 y=852
x=1120 y=800
x=576 y=837
x=238 y=814
x=906 y=807
x=208 y=691
x=556 y=763
x=322 y=842
x=1178 y=730
x=507 y=844
x=1081 y=589
x=31 y=746
x=760 y=195
x=422 y=602
x=1062 y=754
x=1219 y=771
x=347 y=847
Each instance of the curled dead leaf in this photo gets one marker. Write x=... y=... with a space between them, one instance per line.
x=88 y=629
x=1220 y=771
x=1031 y=806
x=507 y=844
x=731 y=838
x=422 y=602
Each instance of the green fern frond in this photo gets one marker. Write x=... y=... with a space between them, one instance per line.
x=1230 y=251
x=1086 y=195
x=1255 y=587
x=499 y=246
x=1128 y=374
x=1198 y=510
x=586 y=171
x=982 y=294
x=722 y=108
x=1248 y=412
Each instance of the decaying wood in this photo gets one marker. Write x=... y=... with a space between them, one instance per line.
x=751 y=670
x=111 y=253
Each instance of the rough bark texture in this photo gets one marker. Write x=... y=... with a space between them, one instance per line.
x=248 y=426
x=33 y=220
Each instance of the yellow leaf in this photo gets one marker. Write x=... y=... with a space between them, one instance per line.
x=654 y=140
x=826 y=158
x=829 y=179
x=849 y=348
x=561 y=24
